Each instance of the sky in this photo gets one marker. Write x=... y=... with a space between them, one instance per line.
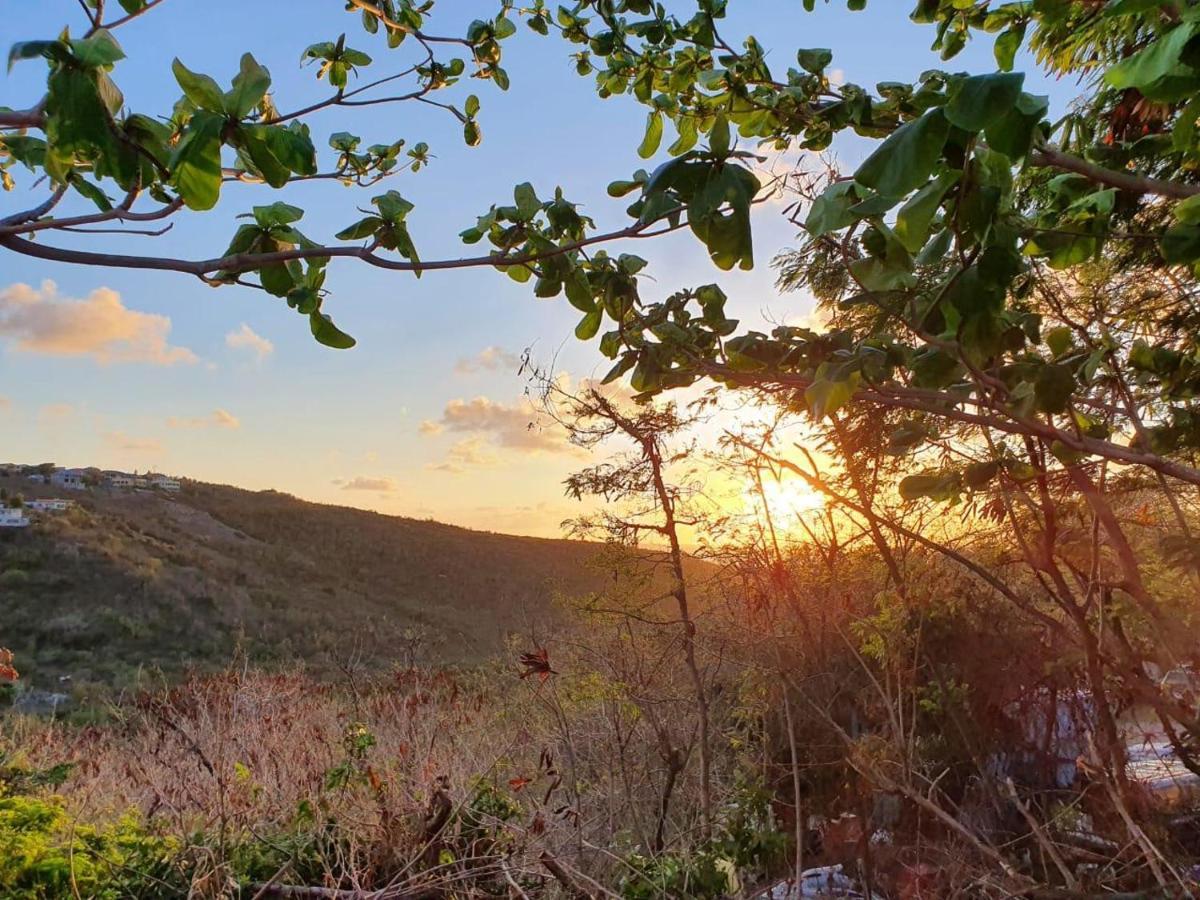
x=426 y=417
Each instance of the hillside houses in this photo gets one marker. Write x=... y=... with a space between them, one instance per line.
x=83 y=479
x=13 y=518
x=52 y=505
x=70 y=479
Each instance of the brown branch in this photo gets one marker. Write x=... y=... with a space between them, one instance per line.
x=378 y=13
x=38 y=211
x=947 y=407
x=23 y=118
x=1053 y=158
x=245 y=262
x=121 y=213
x=117 y=23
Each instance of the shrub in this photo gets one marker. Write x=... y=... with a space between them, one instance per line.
x=44 y=854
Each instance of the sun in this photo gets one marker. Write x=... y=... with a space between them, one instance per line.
x=788 y=500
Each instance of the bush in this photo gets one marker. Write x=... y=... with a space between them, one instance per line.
x=44 y=854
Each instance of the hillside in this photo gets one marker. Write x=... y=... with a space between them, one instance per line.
x=138 y=579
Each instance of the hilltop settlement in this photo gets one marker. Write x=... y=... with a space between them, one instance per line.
x=19 y=479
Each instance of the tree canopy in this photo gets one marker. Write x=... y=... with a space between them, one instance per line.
x=933 y=258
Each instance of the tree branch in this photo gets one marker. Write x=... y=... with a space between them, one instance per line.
x=245 y=262
x=1053 y=158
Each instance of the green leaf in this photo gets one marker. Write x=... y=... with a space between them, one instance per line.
x=277 y=279
x=31 y=50
x=92 y=192
x=718 y=138
x=589 y=325
x=915 y=217
x=292 y=146
x=329 y=334
x=1012 y=134
x=504 y=27
x=527 y=200
x=471 y=107
x=249 y=87
x=825 y=397
x=392 y=207
x=1053 y=387
x=202 y=90
x=1059 y=340
x=277 y=213
x=196 y=163
x=252 y=141
x=982 y=99
x=941 y=486
x=1006 y=46
x=76 y=120
x=815 y=61
x=831 y=210
x=1153 y=64
x=653 y=136
x=976 y=475
x=1187 y=212
x=905 y=160
x=243 y=239
x=1180 y=244
x=101 y=49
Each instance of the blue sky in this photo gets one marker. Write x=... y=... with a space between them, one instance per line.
x=346 y=427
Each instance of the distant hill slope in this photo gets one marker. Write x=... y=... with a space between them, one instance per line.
x=133 y=579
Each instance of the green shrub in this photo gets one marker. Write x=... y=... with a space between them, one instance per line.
x=44 y=855
x=698 y=875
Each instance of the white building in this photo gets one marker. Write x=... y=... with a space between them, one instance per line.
x=69 y=479
x=13 y=518
x=118 y=480
x=163 y=483
x=54 y=505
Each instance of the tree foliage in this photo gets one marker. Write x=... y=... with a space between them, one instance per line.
x=938 y=240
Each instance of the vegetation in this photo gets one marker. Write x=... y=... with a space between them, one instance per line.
x=959 y=669
x=126 y=585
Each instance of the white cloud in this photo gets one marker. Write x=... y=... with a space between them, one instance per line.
x=517 y=427
x=122 y=442
x=100 y=326
x=489 y=359
x=219 y=418
x=246 y=338
x=363 y=483
x=469 y=453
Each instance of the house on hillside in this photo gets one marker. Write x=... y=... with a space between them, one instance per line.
x=165 y=483
x=69 y=479
x=118 y=480
x=52 y=505
x=13 y=518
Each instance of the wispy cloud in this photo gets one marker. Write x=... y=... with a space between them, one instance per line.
x=100 y=326
x=489 y=359
x=55 y=413
x=246 y=338
x=122 y=442
x=364 y=483
x=219 y=418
